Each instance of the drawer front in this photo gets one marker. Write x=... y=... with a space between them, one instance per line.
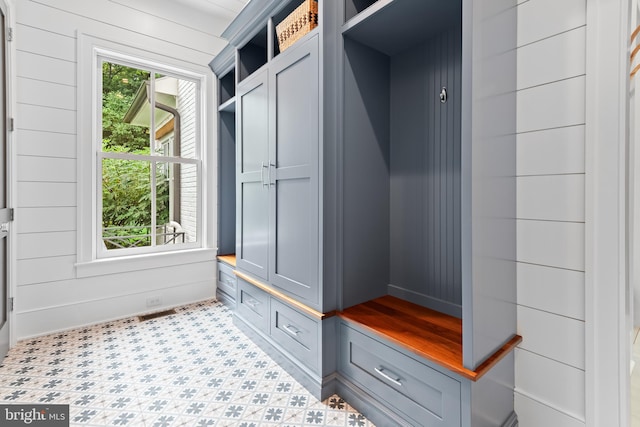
x=426 y=396
x=253 y=305
x=226 y=279
x=295 y=332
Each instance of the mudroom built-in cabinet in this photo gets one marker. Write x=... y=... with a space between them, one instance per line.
x=277 y=172
x=226 y=168
x=374 y=201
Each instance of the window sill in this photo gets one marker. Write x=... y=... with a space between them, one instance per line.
x=101 y=267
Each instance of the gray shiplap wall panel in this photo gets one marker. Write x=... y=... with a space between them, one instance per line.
x=425 y=166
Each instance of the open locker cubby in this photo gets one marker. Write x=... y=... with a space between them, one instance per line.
x=253 y=55
x=427 y=218
x=403 y=159
x=227 y=87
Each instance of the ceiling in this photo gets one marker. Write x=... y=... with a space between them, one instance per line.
x=224 y=8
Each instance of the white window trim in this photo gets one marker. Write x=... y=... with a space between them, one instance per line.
x=607 y=356
x=91 y=50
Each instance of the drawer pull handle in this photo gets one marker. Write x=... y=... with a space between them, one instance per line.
x=251 y=303
x=264 y=184
x=291 y=330
x=386 y=376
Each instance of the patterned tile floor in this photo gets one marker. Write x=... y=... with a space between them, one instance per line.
x=193 y=368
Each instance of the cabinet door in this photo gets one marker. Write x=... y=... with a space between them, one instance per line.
x=252 y=185
x=294 y=154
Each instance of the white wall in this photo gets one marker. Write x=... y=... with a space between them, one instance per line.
x=50 y=295
x=550 y=362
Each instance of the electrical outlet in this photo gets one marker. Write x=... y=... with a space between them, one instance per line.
x=154 y=301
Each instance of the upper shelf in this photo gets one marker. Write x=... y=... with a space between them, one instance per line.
x=392 y=26
x=228 y=106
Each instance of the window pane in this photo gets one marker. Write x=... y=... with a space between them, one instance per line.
x=176 y=203
x=189 y=201
x=166 y=230
x=125 y=109
x=126 y=203
x=151 y=120
x=176 y=117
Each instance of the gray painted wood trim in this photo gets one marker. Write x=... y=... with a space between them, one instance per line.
x=224 y=61
x=367 y=405
x=512 y=421
x=488 y=177
x=426 y=301
x=226 y=299
x=251 y=19
x=320 y=387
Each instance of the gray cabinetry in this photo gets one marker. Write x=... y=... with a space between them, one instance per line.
x=253 y=305
x=296 y=332
x=277 y=173
x=226 y=284
x=375 y=161
x=294 y=100
x=278 y=191
x=420 y=394
x=252 y=179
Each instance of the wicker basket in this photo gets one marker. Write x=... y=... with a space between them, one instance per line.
x=297 y=24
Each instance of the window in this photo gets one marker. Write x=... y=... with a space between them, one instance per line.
x=148 y=159
x=156 y=123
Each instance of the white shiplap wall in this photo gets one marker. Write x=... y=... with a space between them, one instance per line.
x=50 y=296
x=550 y=362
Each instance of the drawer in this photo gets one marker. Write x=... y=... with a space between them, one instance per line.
x=226 y=279
x=426 y=396
x=253 y=305
x=295 y=332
